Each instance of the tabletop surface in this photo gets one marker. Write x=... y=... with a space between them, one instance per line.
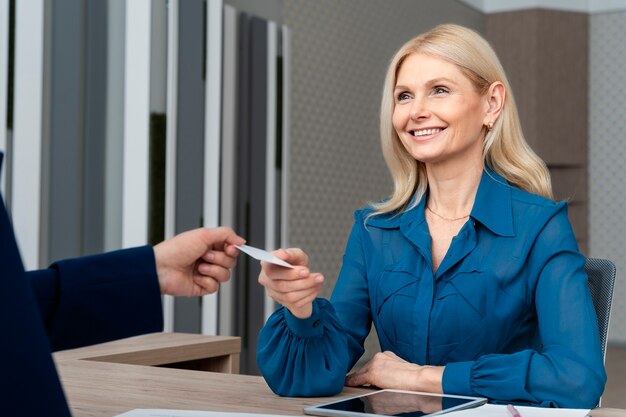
x=97 y=388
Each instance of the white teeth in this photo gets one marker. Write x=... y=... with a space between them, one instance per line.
x=425 y=132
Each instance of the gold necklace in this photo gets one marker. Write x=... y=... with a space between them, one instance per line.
x=446 y=218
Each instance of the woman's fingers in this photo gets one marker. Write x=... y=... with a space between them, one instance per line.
x=295 y=256
x=287 y=286
x=294 y=288
x=294 y=298
x=289 y=292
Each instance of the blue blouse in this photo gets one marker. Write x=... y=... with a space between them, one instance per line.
x=508 y=311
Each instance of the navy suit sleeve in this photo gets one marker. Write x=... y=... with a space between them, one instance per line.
x=94 y=299
x=45 y=285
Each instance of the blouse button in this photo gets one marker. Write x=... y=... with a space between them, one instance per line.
x=316 y=323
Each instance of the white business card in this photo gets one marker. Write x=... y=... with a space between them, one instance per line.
x=263 y=255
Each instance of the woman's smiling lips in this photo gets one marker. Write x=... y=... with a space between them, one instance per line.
x=425 y=133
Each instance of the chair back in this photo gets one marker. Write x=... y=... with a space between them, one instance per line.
x=601 y=281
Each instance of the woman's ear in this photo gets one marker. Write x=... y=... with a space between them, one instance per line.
x=496 y=94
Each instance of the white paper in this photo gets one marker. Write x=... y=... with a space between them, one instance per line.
x=263 y=255
x=187 y=413
x=492 y=410
x=487 y=410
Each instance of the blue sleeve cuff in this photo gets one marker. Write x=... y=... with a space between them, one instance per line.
x=456 y=378
x=309 y=327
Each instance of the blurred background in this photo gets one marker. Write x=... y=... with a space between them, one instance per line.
x=125 y=122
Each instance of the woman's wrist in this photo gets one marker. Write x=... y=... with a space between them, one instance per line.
x=430 y=379
x=303 y=312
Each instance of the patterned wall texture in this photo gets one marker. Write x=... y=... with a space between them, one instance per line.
x=607 y=154
x=340 y=51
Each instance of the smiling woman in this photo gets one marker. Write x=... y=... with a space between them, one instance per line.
x=442 y=119
x=469 y=271
x=473 y=64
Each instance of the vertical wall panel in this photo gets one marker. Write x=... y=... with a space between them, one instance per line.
x=170 y=144
x=159 y=56
x=136 y=123
x=241 y=278
x=229 y=169
x=94 y=131
x=271 y=171
x=114 y=125
x=212 y=139
x=257 y=181
x=162 y=51
x=66 y=117
x=190 y=140
x=158 y=125
x=286 y=135
x=27 y=128
x=607 y=154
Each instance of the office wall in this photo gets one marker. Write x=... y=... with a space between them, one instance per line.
x=607 y=154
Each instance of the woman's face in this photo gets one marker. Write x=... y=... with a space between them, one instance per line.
x=438 y=114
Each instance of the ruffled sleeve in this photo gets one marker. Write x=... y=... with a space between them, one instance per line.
x=311 y=357
x=304 y=357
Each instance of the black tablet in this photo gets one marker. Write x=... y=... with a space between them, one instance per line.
x=389 y=402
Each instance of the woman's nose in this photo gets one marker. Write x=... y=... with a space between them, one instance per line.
x=418 y=110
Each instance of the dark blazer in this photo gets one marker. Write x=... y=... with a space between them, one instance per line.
x=73 y=303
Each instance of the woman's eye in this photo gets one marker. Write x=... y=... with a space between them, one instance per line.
x=440 y=90
x=403 y=96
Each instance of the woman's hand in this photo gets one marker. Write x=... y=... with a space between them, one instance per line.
x=387 y=370
x=293 y=288
x=394 y=403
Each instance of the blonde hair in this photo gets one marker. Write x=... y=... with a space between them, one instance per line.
x=504 y=149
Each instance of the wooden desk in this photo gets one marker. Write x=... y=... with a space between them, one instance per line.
x=173 y=350
x=109 y=379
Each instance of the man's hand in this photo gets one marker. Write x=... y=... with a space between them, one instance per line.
x=196 y=262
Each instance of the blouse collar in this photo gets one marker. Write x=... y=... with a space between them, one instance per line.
x=492 y=207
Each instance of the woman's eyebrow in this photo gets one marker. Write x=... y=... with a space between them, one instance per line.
x=400 y=87
x=429 y=83
x=440 y=80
